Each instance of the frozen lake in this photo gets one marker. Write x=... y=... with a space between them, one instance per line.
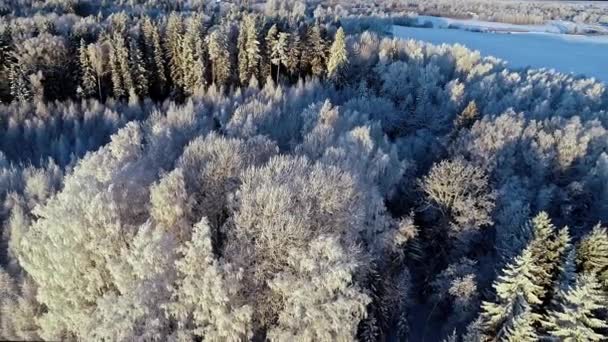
x=577 y=54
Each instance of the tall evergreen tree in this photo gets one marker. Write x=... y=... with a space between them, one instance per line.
x=219 y=56
x=249 y=49
x=193 y=56
x=522 y=327
x=88 y=83
x=577 y=317
x=516 y=290
x=276 y=42
x=138 y=71
x=173 y=38
x=153 y=56
x=122 y=81
x=293 y=60
x=315 y=51
x=592 y=253
x=338 y=57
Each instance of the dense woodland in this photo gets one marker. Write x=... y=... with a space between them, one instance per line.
x=203 y=171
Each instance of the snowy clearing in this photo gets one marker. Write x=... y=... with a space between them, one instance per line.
x=553 y=26
x=576 y=54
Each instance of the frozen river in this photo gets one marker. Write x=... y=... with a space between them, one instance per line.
x=577 y=54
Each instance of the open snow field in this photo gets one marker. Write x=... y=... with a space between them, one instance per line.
x=522 y=45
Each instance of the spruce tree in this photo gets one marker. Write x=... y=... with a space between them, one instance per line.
x=548 y=249
x=521 y=328
x=338 y=58
x=122 y=81
x=138 y=71
x=592 y=254
x=173 y=38
x=315 y=51
x=192 y=56
x=88 y=83
x=252 y=47
x=219 y=56
x=276 y=42
x=153 y=56
x=293 y=58
x=577 y=318
x=468 y=116
x=516 y=290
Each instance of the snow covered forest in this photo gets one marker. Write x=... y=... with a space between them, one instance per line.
x=246 y=171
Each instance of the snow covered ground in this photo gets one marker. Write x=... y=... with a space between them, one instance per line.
x=554 y=26
x=578 y=54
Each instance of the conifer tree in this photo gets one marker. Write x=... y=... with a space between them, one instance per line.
x=516 y=290
x=592 y=254
x=577 y=318
x=219 y=56
x=315 y=51
x=173 y=38
x=338 y=57
x=122 y=81
x=292 y=62
x=249 y=50
x=153 y=56
x=271 y=39
x=276 y=42
x=192 y=56
x=138 y=71
x=522 y=327
x=468 y=116
x=548 y=250
x=88 y=83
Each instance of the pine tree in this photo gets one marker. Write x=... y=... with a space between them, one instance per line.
x=122 y=81
x=219 y=55
x=193 y=57
x=138 y=71
x=548 y=250
x=242 y=54
x=338 y=57
x=271 y=41
x=173 y=38
x=468 y=116
x=516 y=290
x=276 y=42
x=88 y=83
x=153 y=56
x=521 y=328
x=293 y=60
x=592 y=253
x=315 y=51
x=248 y=50
x=577 y=317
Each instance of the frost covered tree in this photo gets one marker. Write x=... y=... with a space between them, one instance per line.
x=338 y=57
x=461 y=193
x=577 y=318
x=249 y=49
x=87 y=77
x=314 y=54
x=154 y=56
x=516 y=290
x=137 y=67
x=276 y=42
x=206 y=297
x=320 y=300
x=219 y=57
x=192 y=58
x=592 y=254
